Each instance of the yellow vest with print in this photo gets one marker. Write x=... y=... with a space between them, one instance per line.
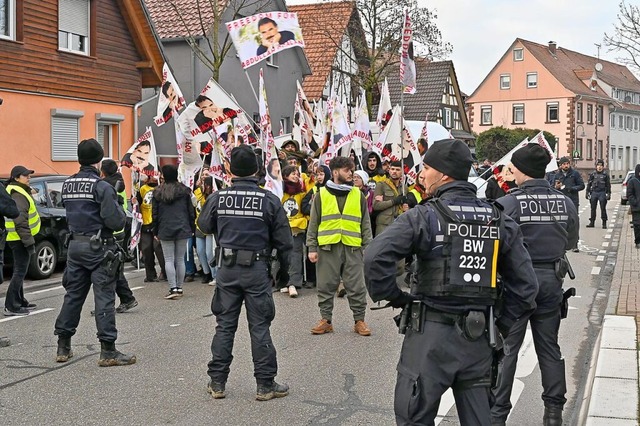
x=291 y=203
x=146 y=193
x=34 y=217
x=336 y=227
x=200 y=200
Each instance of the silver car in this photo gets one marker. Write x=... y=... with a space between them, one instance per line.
x=623 y=191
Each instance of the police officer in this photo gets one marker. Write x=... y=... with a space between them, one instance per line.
x=549 y=223
x=598 y=190
x=569 y=181
x=93 y=215
x=247 y=222
x=461 y=243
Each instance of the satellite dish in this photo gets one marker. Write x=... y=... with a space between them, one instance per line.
x=598 y=66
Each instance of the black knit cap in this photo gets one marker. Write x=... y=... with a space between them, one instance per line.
x=601 y=162
x=562 y=160
x=109 y=167
x=451 y=157
x=243 y=161
x=532 y=160
x=89 y=152
x=170 y=173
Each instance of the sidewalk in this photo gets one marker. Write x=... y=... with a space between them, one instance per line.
x=614 y=368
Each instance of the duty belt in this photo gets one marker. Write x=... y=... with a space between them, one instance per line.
x=87 y=238
x=544 y=265
x=257 y=256
x=441 y=317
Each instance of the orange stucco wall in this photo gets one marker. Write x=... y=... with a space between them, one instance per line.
x=25 y=130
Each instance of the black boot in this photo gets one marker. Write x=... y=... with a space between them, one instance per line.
x=110 y=357
x=552 y=416
x=591 y=223
x=216 y=390
x=604 y=224
x=206 y=278
x=270 y=390
x=64 y=349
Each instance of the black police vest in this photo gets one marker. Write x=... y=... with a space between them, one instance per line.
x=542 y=214
x=79 y=197
x=599 y=182
x=467 y=267
x=242 y=218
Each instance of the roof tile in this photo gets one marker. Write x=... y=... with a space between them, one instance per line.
x=168 y=16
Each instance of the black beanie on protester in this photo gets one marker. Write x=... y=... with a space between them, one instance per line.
x=532 y=160
x=170 y=173
x=243 y=161
x=89 y=152
x=451 y=157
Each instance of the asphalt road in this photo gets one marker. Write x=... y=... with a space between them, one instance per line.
x=335 y=379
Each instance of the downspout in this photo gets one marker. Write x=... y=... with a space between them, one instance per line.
x=136 y=107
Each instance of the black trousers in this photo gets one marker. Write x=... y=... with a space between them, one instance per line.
x=150 y=248
x=15 y=293
x=635 y=220
x=598 y=197
x=545 y=323
x=435 y=360
x=84 y=268
x=122 y=285
x=252 y=286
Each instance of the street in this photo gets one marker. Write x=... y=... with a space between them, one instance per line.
x=336 y=379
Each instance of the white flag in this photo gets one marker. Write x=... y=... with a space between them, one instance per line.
x=384 y=107
x=273 y=176
x=170 y=99
x=407 y=64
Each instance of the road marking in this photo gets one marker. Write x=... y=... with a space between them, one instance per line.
x=595 y=270
x=46 y=290
x=599 y=258
x=605 y=244
x=516 y=391
x=607 y=235
x=446 y=402
x=39 y=311
x=137 y=288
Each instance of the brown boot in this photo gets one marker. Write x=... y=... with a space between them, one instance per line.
x=322 y=327
x=361 y=328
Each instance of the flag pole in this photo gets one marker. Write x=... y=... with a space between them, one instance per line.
x=255 y=94
x=404 y=189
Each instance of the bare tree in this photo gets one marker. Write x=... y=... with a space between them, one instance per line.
x=626 y=35
x=206 y=32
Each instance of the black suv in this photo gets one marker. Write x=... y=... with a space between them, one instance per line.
x=50 y=248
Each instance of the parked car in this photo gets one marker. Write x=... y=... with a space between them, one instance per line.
x=50 y=250
x=623 y=191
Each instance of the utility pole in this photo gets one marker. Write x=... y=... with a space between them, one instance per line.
x=598 y=46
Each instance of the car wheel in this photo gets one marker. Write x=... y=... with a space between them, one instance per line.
x=44 y=262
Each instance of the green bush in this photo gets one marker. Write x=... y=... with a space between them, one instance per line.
x=497 y=141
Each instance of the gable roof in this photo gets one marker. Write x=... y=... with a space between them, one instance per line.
x=146 y=41
x=323 y=27
x=168 y=16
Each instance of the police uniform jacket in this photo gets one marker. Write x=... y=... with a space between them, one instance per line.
x=549 y=224
x=633 y=191
x=419 y=232
x=247 y=217
x=599 y=182
x=91 y=204
x=8 y=207
x=572 y=181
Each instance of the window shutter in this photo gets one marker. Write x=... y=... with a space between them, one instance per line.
x=64 y=138
x=73 y=16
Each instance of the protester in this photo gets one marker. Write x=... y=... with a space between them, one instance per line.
x=339 y=230
x=569 y=182
x=390 y=198
x=8 y=209
x=20 y=238
x=549 y=224
x=360 y=181
x=446 y=345
x=598 y=191
x=499 y=183
x=373 y=167
x=149 y=246
x=633 y=195
x=205 y=244
x=173 y=224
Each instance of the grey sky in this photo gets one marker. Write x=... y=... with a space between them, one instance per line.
x=482 y=30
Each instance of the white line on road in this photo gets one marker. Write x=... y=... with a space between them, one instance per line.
x=527 y=358
x=599 y=258
x=137 y=288
x=39 y=311
x=446 y=402
x=46 y=290
x=605 y=244
x=595 y=270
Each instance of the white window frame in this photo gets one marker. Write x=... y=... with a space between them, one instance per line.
x=628 y=123
x=489 y=110
x=635 y=124
x=589 y=113
x=446 y=118
x=518 y=108
x=551 y=105
x=505 y=81
x=518 y=54
x=532 y=84
x=65 y=134
x=579 y=112
x=621 y=122
x=599 y=115
x=11 y=20
x=612 y=121
x=272 y=60
x=285 y=125
x=112 y=121
x=68 y=47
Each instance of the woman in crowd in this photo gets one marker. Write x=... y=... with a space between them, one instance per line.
x=205 y=244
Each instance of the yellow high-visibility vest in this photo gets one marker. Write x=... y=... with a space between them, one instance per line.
x=34 y=217
x=338 y=227
x=416 y=194
x=146 y=193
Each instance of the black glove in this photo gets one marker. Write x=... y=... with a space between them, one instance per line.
x=608 y=196
x=402 y=301
x=588 y=196
x=400 y=199
x=504 y=325
x=31 y=250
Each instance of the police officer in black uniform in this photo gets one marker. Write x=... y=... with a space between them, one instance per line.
x=461 y=243
x=247 y=222
x=598 y=191
x=93 y=214
x=549 y=223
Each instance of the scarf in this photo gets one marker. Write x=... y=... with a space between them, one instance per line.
x=293 y=188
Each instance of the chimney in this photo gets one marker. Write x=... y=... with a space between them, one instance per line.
x=552 y=47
